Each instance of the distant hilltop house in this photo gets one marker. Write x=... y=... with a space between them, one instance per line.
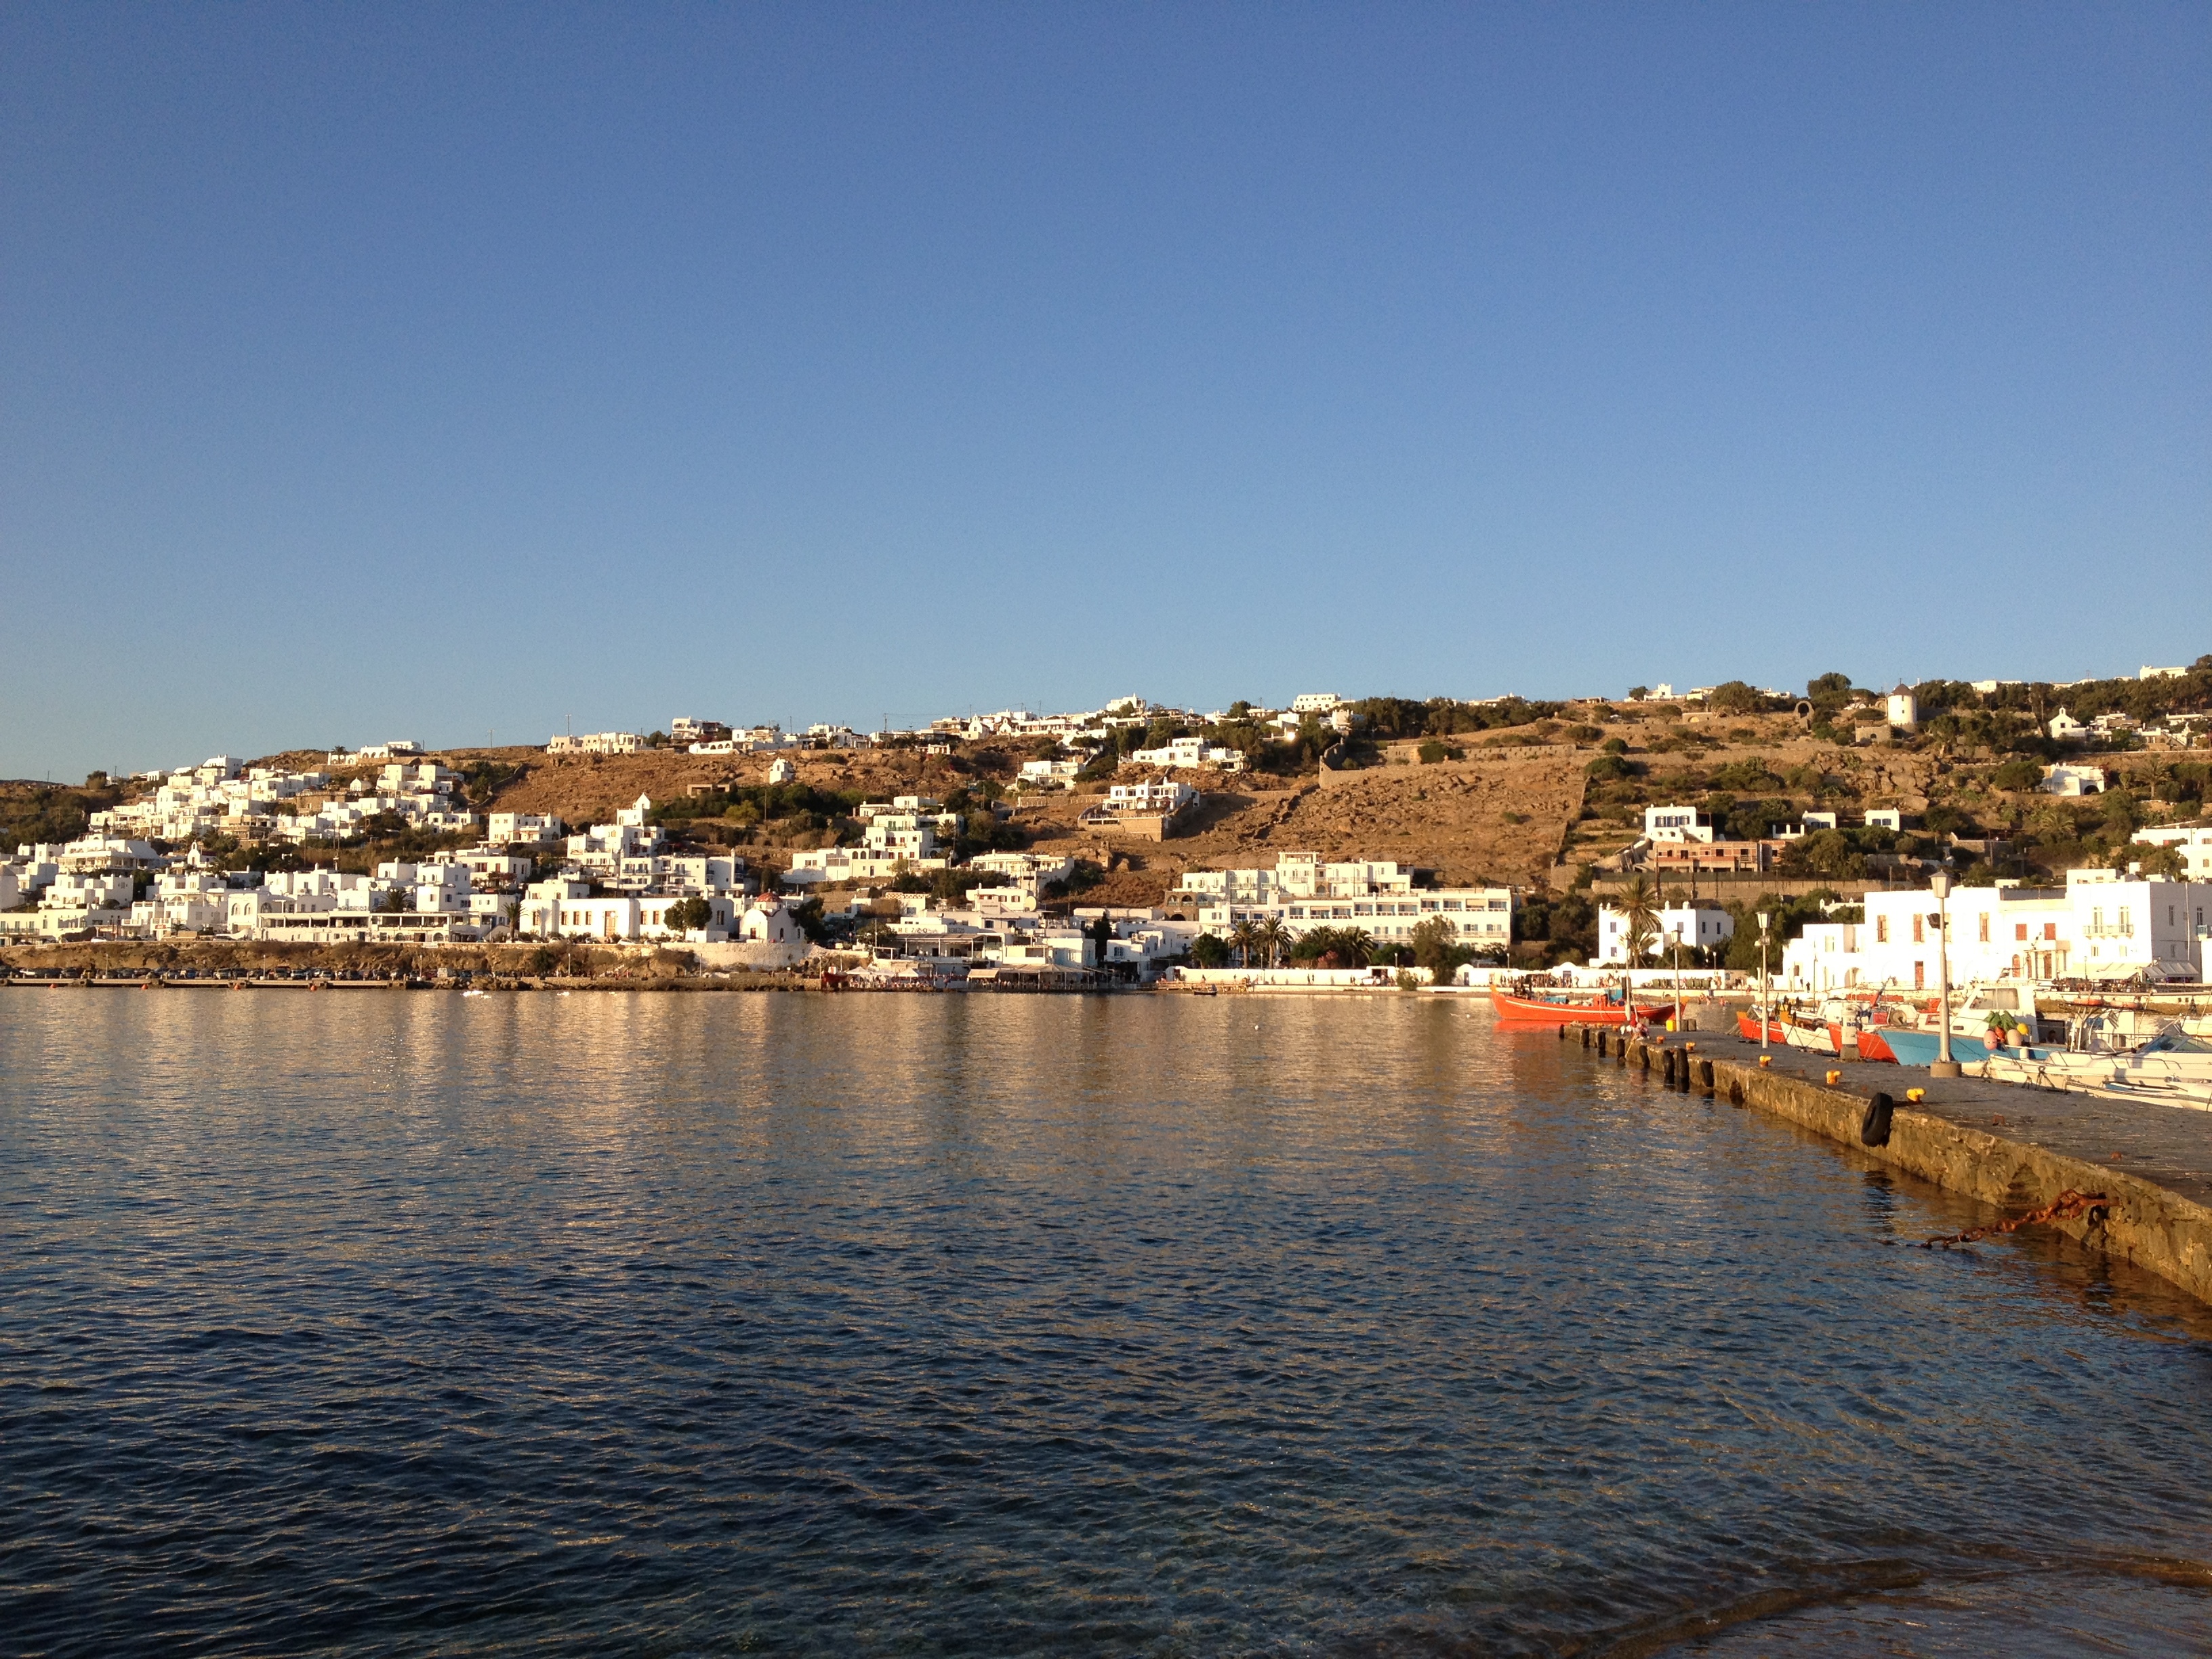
x=1190 y=752
x=1059 y=773
x=597 y=743
x=1153 y=810
x=397 y=748
x=2064 y=728
x=2147 y=672
x=2066 y=780
x=741 y=740
x=1675 y=823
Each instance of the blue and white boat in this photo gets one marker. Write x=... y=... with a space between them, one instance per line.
x=1918 y=1048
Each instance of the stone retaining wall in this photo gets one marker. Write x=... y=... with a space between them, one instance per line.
x=2142 y=1223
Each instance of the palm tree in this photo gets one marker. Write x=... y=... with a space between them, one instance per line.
x=1354 y=946
x=1275 y=939
x=1245 y=938
x=1639 y=909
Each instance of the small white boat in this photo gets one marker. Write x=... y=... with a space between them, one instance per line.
x=2173 y=1067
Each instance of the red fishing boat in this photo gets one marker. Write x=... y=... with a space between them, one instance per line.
x=1747 y=1025
x=1563 y=1010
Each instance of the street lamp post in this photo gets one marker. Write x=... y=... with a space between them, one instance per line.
x=1939 y=884
x=1765 y=1012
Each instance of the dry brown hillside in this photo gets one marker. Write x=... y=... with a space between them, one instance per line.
x=587 y=790
x=1478 y=820
x=1513 y=805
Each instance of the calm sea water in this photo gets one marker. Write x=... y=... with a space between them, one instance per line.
x=400 y=1323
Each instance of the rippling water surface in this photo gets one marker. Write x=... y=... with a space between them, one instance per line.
x=390 y=1323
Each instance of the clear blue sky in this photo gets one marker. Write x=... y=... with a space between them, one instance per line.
x=385 y=371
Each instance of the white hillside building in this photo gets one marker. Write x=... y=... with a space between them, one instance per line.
x=1190 y=752
x=1675 y=823
x=1698 y=927
x=1377 y=897
x=2192 y=842
x=2099 y=925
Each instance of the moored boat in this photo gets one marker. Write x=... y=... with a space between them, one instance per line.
x=1918 y=1048
x=1873 y=1042
x=1563 y=1010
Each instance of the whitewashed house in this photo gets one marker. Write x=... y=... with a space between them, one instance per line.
x=1697 y=927
x=2071 y=779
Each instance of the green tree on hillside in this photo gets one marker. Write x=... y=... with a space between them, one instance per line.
x=1736 y=697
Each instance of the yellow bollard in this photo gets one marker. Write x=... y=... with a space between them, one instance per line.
x=1916 y=1096
x=1766 y=1059
x=1834 y=1078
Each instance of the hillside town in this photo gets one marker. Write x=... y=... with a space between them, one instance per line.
x=983 y=878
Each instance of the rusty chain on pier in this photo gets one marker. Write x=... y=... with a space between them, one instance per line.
x=2069 y=1206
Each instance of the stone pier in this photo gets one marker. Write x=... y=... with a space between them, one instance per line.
x=2012 y=1147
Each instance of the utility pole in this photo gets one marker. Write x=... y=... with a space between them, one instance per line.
x=1764 y=998
x=1940 y=885
x=1677 y=933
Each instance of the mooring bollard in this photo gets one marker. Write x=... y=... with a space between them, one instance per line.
x=1704 y=1077
x=1873 y=1128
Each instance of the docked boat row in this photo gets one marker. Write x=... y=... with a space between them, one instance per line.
x=2002 y=1030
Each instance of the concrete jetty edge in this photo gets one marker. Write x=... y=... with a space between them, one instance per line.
x=2141 y=1223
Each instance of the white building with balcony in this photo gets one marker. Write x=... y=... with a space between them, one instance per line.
x=1675 y=823
x=596 y=743
x=1376 y=897
x=1191 y=753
